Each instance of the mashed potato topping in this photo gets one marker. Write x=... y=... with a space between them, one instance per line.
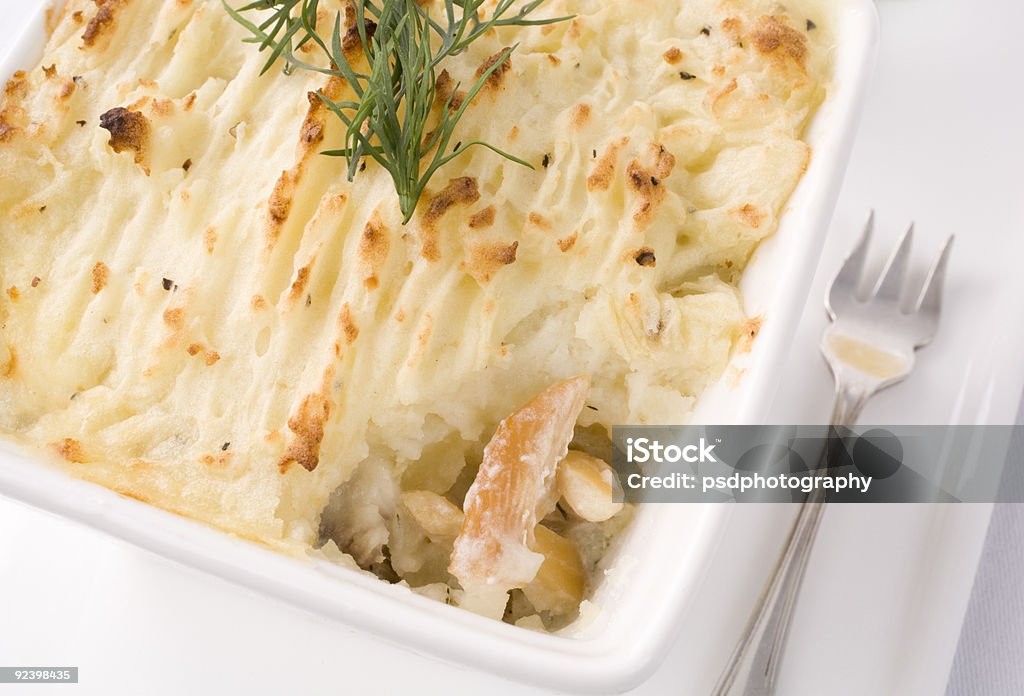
x=199 y=311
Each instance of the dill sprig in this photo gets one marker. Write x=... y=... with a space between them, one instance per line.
x=390 y=119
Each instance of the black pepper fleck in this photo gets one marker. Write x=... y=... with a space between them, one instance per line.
x=169 y=285
x=646 y=257
x=309 y=300
x=187 y=164
x=546 y=161
x=42 y=208
x=811 y=26
x=224 y=447
x=706 y=31
x=654 y=181
x=687 y=76
x=81 y=123
x=595 y=154
x=457 y=146
x=362 y=166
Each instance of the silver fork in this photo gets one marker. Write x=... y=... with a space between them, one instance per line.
x=869 y=346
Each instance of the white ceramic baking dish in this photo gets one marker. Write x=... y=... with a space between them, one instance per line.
x=665 y=555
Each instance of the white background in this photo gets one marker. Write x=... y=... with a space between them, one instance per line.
x=942 y=143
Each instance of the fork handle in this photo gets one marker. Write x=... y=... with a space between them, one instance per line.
x=754 y=664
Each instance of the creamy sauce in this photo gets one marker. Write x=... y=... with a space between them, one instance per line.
x=867 y=359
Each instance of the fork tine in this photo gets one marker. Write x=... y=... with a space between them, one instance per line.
x=930 y=299
x=847 y=280
x=890 y=283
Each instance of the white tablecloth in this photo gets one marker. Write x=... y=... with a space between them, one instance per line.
x=990 y=655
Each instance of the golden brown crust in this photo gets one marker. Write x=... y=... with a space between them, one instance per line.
x=162 y=107
x=210 y=239
x=461 y=191
x=301 y=280
x=100 y=275
x=732 y=26
x=17 y=87
x=102 y=22
x=715 y=95
x=374 y=245
x=129 y=130
x=751 y=329
x=495 y=79
x=348 y=325
x=70 y=450
x=772 y=36
x=646 y=184
x=580 y=115
x=7 y=129
x=307 y=426
x=174 y=317
x=312 y=130
x=483 y=218
x=750 y=215
x=11 y=364
x=279 y=205
x=216 y=460
x=67 y=88
x=352 y=41
x=311 y=133
x=538 y=220
x=600 y=178
x=485 y=259
x=673 y=55
x=444 y=92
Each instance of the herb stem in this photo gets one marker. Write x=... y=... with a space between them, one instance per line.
x=392 y=118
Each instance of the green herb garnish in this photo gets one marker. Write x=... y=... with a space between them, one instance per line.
x=390 y=119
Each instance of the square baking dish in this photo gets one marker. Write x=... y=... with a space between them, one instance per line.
x=663 y=558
